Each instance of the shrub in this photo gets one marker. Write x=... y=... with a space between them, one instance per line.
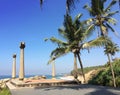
x=104 y=77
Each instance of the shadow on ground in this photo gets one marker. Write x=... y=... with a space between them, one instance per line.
x=86 y=89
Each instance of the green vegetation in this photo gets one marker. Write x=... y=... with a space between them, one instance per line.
x=104 y=77
x=5 y=91
x=88 y=69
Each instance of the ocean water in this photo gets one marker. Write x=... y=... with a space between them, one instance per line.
x=27 y=76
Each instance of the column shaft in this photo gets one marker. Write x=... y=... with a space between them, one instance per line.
x=21 y=73
x=14 y=68
x=53 y=69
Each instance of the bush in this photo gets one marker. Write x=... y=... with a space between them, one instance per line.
x=104 y=77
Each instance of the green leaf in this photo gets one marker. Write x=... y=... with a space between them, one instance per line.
x=110 y=5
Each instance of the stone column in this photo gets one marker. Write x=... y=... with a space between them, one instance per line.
x=14 y=67
x=53 y=69
x=21 y=72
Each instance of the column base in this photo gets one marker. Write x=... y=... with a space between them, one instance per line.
x=21 y=79
x=13 y=77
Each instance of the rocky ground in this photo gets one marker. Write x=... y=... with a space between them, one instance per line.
x=3 y=83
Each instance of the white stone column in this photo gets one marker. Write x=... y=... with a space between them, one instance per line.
x=21 y=72
x=53 y=69
x=14 y=67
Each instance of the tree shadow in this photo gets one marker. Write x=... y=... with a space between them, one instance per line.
x=90 y=89
x=102 y=92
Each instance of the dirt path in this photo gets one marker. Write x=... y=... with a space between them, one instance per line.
x=87 y=76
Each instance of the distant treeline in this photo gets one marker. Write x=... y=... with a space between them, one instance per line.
x=87 y=69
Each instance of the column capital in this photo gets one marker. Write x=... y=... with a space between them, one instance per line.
x=22 y=45
x=14 y=55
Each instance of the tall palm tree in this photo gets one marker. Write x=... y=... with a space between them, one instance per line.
x=70 y=4
x=111 y=49
x=75 y=35
x=102 y=16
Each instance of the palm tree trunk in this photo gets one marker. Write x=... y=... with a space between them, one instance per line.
x=81 y=67
x=75 y=66
x=75 y=62
x=111 y=67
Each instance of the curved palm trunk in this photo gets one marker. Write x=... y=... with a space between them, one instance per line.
x=111 y=67
x=75 y=66
x=75 y=62
x=81 y=67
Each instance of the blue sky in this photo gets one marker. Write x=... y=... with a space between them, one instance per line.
x=23 y=20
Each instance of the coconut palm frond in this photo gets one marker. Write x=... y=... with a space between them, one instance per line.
x=116 y=33
x=50 y=61
x=57 y=41
x=68 y=23
x=97 y=7
x=99 y=42
x=89 y=31
x=110 y=5
x=110 y=27
x=58 y=52
x=119 y=3
x=70 y=5
x=46 y=39
x=41 y=2
x=111 y=20
x=89 y=21
x=88 y=8
x=69 y=28
x=111 y=48
x=62 y=33
x=77 y=18
x=111 y=14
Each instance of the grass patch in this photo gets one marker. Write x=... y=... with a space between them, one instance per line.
x=5 y=91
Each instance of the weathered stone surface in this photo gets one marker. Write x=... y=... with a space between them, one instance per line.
x=3 y=82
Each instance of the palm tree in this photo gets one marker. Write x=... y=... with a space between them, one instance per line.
x=110 y=50
x=75 y=35
x=70 y=4
x=102 y=17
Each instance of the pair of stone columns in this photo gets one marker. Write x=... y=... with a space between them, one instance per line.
x=21 y=71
